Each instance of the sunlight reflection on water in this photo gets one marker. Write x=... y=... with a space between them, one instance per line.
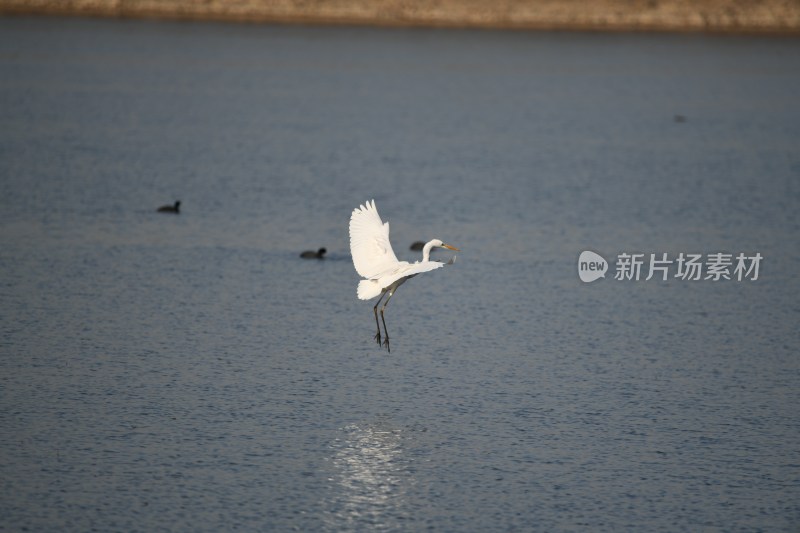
x=373 y=475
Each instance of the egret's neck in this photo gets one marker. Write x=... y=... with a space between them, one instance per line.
x=426 y=252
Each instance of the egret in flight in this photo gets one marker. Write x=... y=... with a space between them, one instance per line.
x=374 y=260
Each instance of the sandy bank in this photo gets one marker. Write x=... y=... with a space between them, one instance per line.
x=754 y=16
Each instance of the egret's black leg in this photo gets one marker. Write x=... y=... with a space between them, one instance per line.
x=386 y=331
x=377 y=325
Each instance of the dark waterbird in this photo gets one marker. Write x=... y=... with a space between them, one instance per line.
x=319 y=254
x=170 y=208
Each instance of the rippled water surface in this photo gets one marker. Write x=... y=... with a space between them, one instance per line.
x=191 y=372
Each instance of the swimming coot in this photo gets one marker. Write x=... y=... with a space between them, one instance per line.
x=170 y=208
x=314 y=255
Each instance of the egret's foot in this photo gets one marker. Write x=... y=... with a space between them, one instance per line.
x=386 y=343
x=378 y=338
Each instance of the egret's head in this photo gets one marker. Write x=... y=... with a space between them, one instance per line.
x=440 y=244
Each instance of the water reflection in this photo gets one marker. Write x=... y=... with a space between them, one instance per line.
x=373 y=477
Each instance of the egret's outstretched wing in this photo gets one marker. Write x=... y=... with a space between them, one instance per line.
x=369 y=242
x=407 y=270
x=370 y=288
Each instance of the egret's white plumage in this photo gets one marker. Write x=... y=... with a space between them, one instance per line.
x=369 y=242
x=375 y=260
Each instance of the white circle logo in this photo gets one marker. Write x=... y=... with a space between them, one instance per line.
x=591 y=266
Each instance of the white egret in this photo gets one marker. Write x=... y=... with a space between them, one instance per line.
x=170 y=208
x=374 y=260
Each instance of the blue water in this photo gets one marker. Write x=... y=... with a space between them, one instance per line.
x=192 y=373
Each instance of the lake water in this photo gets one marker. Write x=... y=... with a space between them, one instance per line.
x=192 y=373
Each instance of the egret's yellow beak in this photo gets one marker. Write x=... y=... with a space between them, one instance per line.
x=450 y=247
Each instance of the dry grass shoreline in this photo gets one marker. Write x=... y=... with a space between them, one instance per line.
x=739 y=16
